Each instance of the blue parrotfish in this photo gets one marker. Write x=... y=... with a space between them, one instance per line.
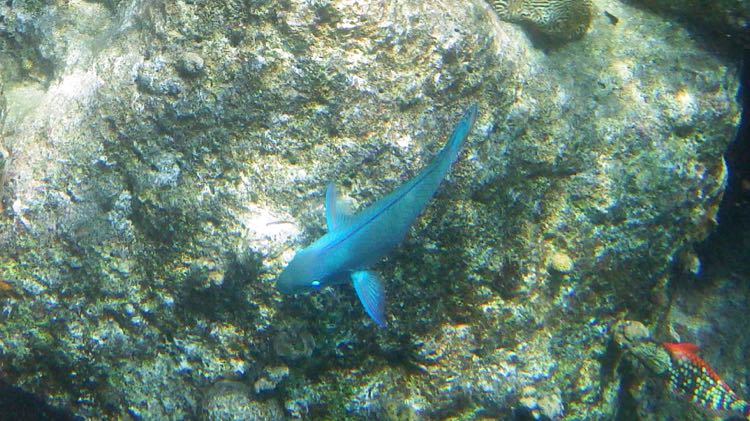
x=356 y=241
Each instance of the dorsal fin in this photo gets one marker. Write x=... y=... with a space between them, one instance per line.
x=338 y=212
x=684 y=347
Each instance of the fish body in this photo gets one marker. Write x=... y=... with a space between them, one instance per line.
x=690 y=376
x=355 y=242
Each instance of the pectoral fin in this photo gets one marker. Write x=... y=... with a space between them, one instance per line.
x=338 y=211
x=372 y=295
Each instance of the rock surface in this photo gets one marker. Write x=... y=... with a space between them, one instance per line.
x=165 y=159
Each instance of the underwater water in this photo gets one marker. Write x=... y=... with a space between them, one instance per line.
x=374 y=210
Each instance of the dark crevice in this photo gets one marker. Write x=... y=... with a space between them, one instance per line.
x=19 y=405
x=726 y=252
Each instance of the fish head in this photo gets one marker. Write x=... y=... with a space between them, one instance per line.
x=300 y=275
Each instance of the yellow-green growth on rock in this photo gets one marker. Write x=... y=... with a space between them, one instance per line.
x=559 y=19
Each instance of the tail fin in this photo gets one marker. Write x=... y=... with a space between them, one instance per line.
x=459 y=135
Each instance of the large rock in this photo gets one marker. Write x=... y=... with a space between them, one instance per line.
x=165 y=159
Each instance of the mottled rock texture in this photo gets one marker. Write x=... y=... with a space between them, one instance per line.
x=166 y=158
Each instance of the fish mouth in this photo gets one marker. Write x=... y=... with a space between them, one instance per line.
x=287 y=284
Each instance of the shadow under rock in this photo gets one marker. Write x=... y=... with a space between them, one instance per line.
x=726 y=251
x=19 y=405
x=224 y=302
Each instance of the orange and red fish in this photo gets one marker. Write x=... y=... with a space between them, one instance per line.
x=692 y=377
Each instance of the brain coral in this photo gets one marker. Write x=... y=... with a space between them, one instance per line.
x=559 y=19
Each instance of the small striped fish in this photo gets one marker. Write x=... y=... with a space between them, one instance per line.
x=561 y=19
x=692 y=377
